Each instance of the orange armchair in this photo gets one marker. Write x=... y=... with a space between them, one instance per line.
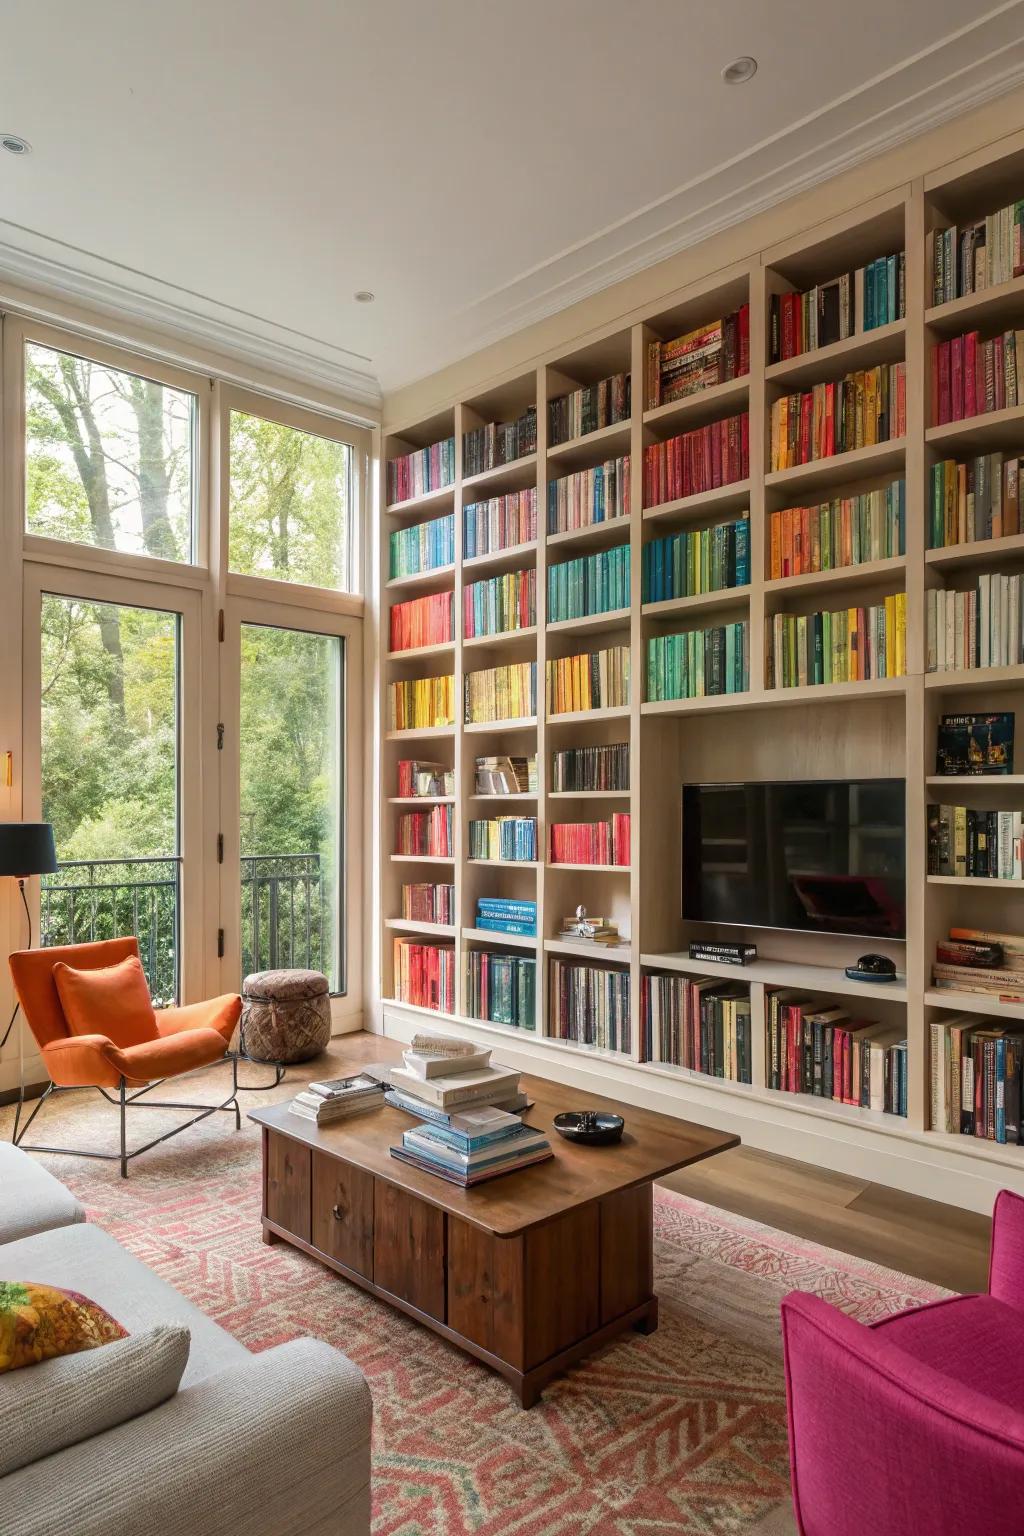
x=183 y=1040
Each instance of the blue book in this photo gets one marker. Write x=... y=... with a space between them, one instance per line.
x=507 y=925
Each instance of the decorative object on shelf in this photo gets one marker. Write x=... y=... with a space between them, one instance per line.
x=286 y=1016
x=969 y=744
x=872 y=968
x=721 y=954
x=581 y=929
x=589 y=1127
x=26 y=848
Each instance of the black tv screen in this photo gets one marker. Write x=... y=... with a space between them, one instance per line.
x=819 y=856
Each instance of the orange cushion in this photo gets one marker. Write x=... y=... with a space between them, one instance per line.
x=113 y=1001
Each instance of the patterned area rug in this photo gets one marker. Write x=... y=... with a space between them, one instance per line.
x=683 y=1431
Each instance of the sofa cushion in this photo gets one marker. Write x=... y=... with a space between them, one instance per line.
x=43 y=1322
x=108 y=1000
x=31 y=1199
x=976 y=1340
x=68 y=1399
x=90 y=1260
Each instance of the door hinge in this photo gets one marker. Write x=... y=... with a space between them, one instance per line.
x=220 y=943
x=220 y=847
x=220 y=738
x=220 y=624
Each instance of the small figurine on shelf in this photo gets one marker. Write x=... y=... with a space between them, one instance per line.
x=584 y=929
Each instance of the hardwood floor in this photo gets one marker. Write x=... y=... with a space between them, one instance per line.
x=935 y=1242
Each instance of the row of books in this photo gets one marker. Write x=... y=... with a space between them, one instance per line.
x=822 y=1051
x=589 y=1005
x=506 y=775
x=827 y=313
x=501 y=914
x=697 y=461
x=976 y=1079
x=978 y=499
x=598 y=495
x=702 y=560
x=500 y=603
x=595 y=680
x=863 y=408
x=416 y=778
x=421 y=621
x=426 y=903
x=512 y=839
x=975 y=744
x=590 y=584
x=981 y=961
x=501 y=693
x=499 y=442
x=968 y=258
x=588 y=409
x=501 y=522
x=852 y=645
x=424 y=547
x=850 y=530
x=971 y=377
x=422 y=703
x=697 y=1023
x=591 y=842
x=698 y=663
x=590 y=768
x=975 y=845
x=978 y=628
x=422 y=470
x=501 y=988
x=710 y=354
x=428 y=833
x=425 y=974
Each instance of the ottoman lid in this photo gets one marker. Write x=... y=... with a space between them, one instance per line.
x=281 y=986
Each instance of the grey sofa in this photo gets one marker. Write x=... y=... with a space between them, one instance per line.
x=275 y=1444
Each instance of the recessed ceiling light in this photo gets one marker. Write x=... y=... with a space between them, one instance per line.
x=740 y=70
x=14 y=144
x=364 y=296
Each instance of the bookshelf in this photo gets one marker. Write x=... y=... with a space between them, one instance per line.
x=762 y=733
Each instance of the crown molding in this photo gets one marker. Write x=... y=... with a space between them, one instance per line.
x=982 y=61
x=52 y=269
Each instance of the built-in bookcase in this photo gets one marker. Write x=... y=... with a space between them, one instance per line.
x=882 y=727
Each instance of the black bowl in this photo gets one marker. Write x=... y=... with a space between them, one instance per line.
x=596 y=1130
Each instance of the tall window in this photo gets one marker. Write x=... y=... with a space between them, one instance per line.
x=109 y=457
x=109 y=677
x=290 y=504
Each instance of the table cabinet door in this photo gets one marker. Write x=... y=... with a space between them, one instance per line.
x=409 y=1249
x=287 y=1185
x=343 y=1213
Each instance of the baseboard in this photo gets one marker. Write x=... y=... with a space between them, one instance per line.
x=32 y=1091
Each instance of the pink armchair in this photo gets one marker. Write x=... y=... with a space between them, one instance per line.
x=915 y=1424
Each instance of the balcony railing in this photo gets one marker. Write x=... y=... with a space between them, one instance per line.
x=284 y=914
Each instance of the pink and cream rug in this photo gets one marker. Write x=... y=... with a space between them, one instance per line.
x=681 y=1432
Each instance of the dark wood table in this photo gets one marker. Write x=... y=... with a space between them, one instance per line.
x=529 y=1272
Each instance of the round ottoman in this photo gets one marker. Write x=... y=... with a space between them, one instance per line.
x=286 y=1015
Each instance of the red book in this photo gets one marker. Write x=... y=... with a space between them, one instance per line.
x=945 y=402
x=956 y=378
x=970 y=374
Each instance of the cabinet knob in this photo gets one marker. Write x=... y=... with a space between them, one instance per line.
x=338 y=1213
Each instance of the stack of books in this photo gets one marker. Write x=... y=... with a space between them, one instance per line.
x=591 y=842
x=500 y=914
x=863 y=408
x=979 y=961
x=501 y=988
x=849 y=646
x=598 y=680
x=971 y=377
x=600 y=931
x=505 y=839
x=499 y=442
x=968 y=258
x=701 y=1024
x=588 y=409
x=444 y=1077
x=697 y=461
x=687 y=564
x=339 y=1098
x=474 y=1147
x=980 y=628
x=500 y=604
x=427 y=779
x=978 y=499
x=589 y=768
x=850 y=530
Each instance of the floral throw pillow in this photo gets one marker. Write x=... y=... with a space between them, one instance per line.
x=40 y=1322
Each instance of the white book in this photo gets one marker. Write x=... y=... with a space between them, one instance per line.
x=466 y=1088
x=445 y=1066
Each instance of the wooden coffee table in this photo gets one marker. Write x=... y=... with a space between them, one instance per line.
x=529 y=1272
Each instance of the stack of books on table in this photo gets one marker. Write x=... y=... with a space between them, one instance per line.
x=475 y=1145
x=339 y=1098
x=438 y=1082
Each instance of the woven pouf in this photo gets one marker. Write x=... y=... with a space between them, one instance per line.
x=286 y=1015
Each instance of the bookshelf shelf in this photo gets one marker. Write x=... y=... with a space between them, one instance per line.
x=700 y=602
x=592 y=448
x=692 y=411
x=592 y=623
x=421 y=800
x=762 y=734
x=841 y=469
x=421 y=858
x=500 y=559
x=440 y=648
x=487 y=936
x=884 y=344
x=406 y=925
x=734 y=497
x=979 y=434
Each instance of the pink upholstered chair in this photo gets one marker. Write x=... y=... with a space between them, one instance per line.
x=915 y=1424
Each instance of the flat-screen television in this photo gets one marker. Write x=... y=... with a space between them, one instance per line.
x=818 y=856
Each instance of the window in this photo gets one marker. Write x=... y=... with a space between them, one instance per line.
x=291 y=503
x=109 y=686
x=109 y=457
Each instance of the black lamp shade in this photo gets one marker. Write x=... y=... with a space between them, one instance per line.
x=27 y=848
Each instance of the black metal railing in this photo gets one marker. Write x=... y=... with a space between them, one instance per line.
x=284 y=912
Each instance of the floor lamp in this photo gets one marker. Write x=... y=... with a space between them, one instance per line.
x=26 y=848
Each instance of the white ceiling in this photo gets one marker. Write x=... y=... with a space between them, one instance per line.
x=238 y=168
